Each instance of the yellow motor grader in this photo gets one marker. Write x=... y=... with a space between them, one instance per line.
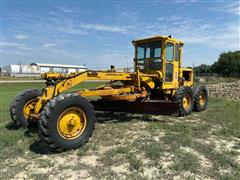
x=158 y=85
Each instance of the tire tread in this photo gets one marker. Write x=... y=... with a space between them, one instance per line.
x=44 y=129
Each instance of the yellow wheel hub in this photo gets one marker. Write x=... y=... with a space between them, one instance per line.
x=186 y=102
x=27 y=108
x=71 y=123
x=202 y=99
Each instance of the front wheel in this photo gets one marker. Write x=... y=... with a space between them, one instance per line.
x=66 y=122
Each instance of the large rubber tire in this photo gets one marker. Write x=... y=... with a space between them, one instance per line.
x=48 y=122
x=179 y=98
x=17 y=105
x=197 y=91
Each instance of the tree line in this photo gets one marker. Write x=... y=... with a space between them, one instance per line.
x=228 y=64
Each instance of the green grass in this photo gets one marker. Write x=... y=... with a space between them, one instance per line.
x=137 y=146
x=185 y=162
x=9 y=78
x=10 y=138
x=221 y=120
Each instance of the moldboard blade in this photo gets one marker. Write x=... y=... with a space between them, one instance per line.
x=141 y=107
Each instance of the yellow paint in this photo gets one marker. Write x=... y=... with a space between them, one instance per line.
x=168 y=91
x=71 y=123
x=186 y=102
x=149 y=81
x=105 y=92
x=27 y=108
x=156 y=38
x=133 y=82
x=202 y=99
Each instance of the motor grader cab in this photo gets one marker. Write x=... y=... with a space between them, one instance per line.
x=163 y=56
x=158 y=85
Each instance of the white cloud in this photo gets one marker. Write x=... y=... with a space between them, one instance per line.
x=125 y=15
x=194 y=32
x=186 y=1
x=10 y=44
x=233 y=8
x=66 y=10
x=15 y=45
x=129 y=24
x=224 y=38
x=104 y=60
x=48 y=45
x=53 y=13
x=21 y=36
x=230 y=7
x=103 y=27
x=160 y=19
x=70 y=30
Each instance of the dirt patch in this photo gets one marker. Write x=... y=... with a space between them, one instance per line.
x=150 y=172
x=203 y=141
x=21 y=175
x=71 y=174
x=225 y=171
x=166 y=160
x=187 y=175
x=122 y=169
x=89 y=160
x=205 y=163
x=222 y=145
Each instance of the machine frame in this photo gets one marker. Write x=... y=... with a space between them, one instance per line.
x=66 y=119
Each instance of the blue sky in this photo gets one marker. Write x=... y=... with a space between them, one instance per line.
x=99 y=33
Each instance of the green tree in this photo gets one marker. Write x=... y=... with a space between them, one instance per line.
x=203 y=68
x=228 y=64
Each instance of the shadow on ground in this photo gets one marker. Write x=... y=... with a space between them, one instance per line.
x=39 y=147
x=120 y=117
x=11 y=126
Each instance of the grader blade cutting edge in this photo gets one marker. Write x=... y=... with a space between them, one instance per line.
x=141 y=107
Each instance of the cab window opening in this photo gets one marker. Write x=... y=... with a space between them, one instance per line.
x=149 y=55
x=169 y=52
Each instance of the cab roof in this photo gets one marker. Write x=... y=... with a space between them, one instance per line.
x=155 y=38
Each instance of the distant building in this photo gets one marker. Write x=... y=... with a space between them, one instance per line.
x=35 y=69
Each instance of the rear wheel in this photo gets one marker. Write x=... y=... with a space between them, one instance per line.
x=22 y=105
x=66 y=122
x=184 y=98
x=200 y=95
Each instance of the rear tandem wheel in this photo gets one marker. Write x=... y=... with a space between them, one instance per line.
x=21 y=106
x=200 y=95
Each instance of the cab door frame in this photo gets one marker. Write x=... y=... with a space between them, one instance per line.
x=174 y=83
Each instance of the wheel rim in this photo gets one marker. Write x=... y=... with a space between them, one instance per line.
x=71 y=123
x=186 y=102
x=27 y=108
x=202 y=99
